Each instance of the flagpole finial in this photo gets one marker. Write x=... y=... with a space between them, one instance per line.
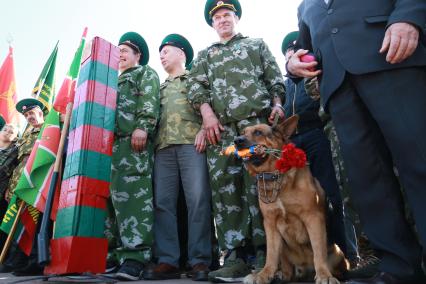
x=84 y=32
x=9 y=39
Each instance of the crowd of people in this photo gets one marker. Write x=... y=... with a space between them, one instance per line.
x=360 y=104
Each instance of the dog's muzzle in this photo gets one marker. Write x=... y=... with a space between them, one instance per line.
x=241 y=142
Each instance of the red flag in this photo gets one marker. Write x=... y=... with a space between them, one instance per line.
x=8 y=97
x=67 y=90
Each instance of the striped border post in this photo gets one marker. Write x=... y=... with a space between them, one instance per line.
x=78 y=243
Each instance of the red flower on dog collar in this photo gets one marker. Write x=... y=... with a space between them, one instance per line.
x=291 y=157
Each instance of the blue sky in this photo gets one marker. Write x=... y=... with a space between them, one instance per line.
x=36 y=25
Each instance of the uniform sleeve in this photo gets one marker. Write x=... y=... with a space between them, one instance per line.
x=198 y=82
x=6 y=169
x=272 y=75
x=148 y=110
x=311 y=88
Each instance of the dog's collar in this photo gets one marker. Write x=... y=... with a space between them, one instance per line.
x=269 y=193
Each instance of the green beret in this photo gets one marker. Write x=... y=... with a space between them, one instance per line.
x=179 y=42
x=289 y=40
x=136 y=42
x=2 y=122
x=213 y=5
x=27 y=104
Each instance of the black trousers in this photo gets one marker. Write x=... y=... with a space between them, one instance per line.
x=317 y=148
x=380 y=120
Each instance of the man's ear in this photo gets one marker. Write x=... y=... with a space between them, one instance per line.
x=288 y=126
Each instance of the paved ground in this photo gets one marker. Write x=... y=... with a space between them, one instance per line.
x=6 y=278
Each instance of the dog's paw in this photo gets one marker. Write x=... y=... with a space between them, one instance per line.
x=249 y=279
x=256 y=279
x=327 y=280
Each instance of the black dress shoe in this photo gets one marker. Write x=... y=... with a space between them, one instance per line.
x=5 y=268
x=31 y=269
x=380 y=278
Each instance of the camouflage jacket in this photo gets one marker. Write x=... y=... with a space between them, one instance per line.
x=312 y=89
x=8 y=162
x=25 y=145
x=238 y=79
x=179 y=123
x=138 y=101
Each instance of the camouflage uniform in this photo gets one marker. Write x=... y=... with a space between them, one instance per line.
x=178 y=124
x=25 y=145
x=239 y=79
x=130 y=222
x=8 y=162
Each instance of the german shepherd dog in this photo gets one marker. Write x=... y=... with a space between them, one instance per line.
x=293 y=206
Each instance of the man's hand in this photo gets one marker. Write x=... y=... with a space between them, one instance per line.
x=7 y=195
x=400 y=41
x=276 y=110
x=299 y=68
x=139 y=138
x=200 y=141
x=211 y=124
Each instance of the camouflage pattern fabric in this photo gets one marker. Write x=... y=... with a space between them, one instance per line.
x=8 y=162
x=238 y=79
x=179 y=123
x=25 y=145
x=129 y=226
x=234 y=194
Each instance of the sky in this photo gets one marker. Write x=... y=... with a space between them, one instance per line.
x=36 y=25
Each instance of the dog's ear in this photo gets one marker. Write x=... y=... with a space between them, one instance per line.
x=288 y=126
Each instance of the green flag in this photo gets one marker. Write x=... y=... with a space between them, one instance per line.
x=44 y=87
x=67 y=90
x=27 y=224
x=34 y=183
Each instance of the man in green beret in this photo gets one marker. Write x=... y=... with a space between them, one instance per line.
x=32 y=110
x=234 y=83
x=130 y=222
x=180 y=157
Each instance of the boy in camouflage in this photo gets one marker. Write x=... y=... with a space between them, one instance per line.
x=130 y=222
x=234 y=83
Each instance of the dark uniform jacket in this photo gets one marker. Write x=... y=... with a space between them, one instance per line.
x=346 y=35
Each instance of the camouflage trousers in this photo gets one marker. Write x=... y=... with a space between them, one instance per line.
x=235 y=205
x=129 y=225
x=16 y=175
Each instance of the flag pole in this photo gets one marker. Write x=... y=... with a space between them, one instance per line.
x=43 y=235
x=11 y=233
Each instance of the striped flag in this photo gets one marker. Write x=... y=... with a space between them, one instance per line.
x=34 y=182
x=67 y=90
x=44 y=87
x=27 y=224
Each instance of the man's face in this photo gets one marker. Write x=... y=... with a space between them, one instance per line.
x=34 y=117
x=224 y=22
x=8 y=133
x=128 y=58
x=171 y=57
